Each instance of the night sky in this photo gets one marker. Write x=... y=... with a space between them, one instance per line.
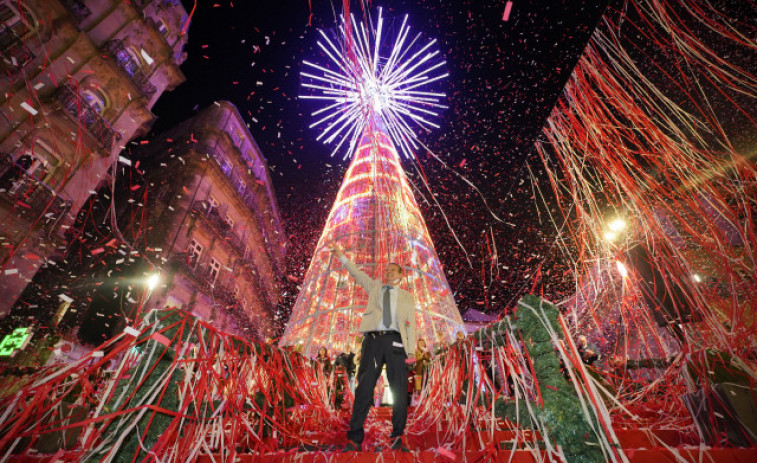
x=505 y=77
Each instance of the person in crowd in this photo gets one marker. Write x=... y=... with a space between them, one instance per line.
x=586 y=351
x=323 y=361
x=422 y=361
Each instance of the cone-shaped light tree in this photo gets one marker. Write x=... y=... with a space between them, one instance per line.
x=374 y=95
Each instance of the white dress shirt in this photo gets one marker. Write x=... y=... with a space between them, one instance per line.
x=392 y=303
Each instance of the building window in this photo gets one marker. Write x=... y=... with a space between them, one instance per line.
x=16 y=25
x=127 y=62
x=96 y=99
x=226 y=167
x=163 y=28
x=135 y=56
x=236 y=136
x=25 y=173
x=241 y=187
x=215 y=269
x=194 y=253
x=87 y=109
x=212 y=205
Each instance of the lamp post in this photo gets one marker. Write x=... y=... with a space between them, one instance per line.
x=150 y=282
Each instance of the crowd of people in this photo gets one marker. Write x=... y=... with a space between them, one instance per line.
x=339 y=371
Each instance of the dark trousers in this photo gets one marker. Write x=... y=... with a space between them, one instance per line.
x=376 y=351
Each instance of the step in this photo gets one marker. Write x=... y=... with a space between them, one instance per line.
x=660 y=455
x=426 y=456
x=628 y=439
x=690 y=454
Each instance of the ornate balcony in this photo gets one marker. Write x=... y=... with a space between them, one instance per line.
x=33 y=200
x=214 y=220
x=245 y=193
x=14 y=54
x=203 y=279
x=80 y=109
x=132 y=68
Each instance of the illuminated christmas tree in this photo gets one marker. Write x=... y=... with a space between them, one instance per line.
x=372 y=101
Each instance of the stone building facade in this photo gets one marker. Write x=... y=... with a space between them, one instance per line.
x=214 y=222
x=78 y=80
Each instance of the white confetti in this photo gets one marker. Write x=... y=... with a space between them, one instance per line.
x=28 y=108
x=148 y=58
x=131 y=331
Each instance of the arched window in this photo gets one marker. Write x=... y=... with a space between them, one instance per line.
x=129 y=59
x=135 y=56
x=96 y=99
x=16 y=22
x=163 y=27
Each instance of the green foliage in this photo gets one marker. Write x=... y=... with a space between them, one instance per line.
x=561 y=411
x=516 y=413
x=135 y=393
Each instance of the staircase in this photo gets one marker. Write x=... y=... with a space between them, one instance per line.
x=486 y=443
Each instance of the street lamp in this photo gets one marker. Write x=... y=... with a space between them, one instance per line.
x=614 y=229
x=617 y=225
x=152 y=281
x=621 y=269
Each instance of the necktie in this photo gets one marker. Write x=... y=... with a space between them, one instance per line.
x=387 y=307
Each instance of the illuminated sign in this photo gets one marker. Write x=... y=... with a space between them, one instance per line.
x=16 y=340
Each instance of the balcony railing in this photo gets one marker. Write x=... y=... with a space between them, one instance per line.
x=34 y=201
x=77 y=8
x=130 y=67
x=199 y=273
x=223 y=229
x=203 y=278
x=211 y=215
x=13 y=52
x=247 y=195
x=80 y=109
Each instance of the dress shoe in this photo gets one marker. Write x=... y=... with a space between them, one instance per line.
x=398 y=444
x=351 y=447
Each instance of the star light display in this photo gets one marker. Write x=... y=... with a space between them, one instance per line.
x=371 y=105
x=364 y=86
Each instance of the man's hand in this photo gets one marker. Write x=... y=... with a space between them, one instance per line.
x=336 y=250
